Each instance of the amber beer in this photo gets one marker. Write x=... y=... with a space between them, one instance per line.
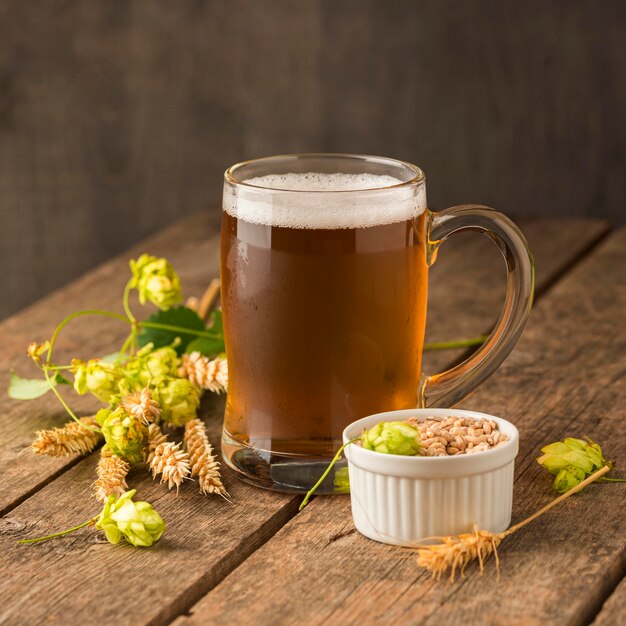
x=323 y=325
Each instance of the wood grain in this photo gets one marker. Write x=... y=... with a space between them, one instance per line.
x=455 y=311
x=613 y=611
x=192 y=246
x=117 y=118
x=207 y=538
x=567 y=377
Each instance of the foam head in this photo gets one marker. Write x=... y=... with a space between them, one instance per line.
x=324 y=201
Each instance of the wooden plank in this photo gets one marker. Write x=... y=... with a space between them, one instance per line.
x=206 y=540
x=613 y=611
x=566 y=378
x=465 y=261
x=193 y=247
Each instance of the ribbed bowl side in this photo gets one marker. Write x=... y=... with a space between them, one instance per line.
x=401 y=511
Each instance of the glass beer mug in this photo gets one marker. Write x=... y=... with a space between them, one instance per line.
x=324 y=277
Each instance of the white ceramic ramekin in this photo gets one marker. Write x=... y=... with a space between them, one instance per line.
x=403 y=499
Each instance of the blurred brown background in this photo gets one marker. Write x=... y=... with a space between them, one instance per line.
x=119 y=117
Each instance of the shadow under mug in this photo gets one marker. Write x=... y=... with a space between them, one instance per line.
x=324 y=279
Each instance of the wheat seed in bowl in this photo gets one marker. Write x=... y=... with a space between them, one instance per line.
x=448 y=436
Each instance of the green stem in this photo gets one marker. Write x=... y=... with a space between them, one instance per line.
x=321 y=480
x=611 y=480
x=125 y=304
x=63 y=532
x=128 y=344
x=458 y=343
x=73 y=316
x=63 y=403
x=176 y=329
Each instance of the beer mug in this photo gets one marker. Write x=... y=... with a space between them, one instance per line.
x=324 y=278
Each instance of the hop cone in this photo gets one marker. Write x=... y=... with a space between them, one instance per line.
x=136 y=522
x=178 y=398
x=156 y=281
x=100 y=378
x=124 y=434
x=149 y=364
x=392 y=438
x=571 y=461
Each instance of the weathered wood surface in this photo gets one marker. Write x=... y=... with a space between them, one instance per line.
x=613 y=612
x=567 y=377
x=207 y=539
x=455 y=311
x=192 y=246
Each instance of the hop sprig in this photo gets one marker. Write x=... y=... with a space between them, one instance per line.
x=121 y=518
x=74 y=438
x=203 y=462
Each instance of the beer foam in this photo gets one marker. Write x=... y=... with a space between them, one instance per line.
x=373 y=200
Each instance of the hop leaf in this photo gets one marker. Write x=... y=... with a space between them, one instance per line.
x=136 y=522
x=125 y=435
x=392 y=438
x=181 y=317
x=156 y=281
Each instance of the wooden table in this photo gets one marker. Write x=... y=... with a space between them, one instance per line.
x=259 y=561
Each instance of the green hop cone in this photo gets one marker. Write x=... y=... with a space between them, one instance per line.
x=392 y=438
x=137 y=522
x=571 y=461
x=178 y=398
x=124 y=434
x=149 y=364
x=156 y=281
x=100 y=378
x=568 y=478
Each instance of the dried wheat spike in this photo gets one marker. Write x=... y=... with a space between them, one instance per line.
x=166 y=458
x=203 y=463
x=112 y=471
x=73 y=438
x=155 y=437
x=207 y=374
x=141 y=405
x=455 y=553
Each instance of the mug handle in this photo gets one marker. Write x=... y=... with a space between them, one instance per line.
x=450 y=387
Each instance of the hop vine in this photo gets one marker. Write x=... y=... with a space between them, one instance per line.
x=153 y=382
